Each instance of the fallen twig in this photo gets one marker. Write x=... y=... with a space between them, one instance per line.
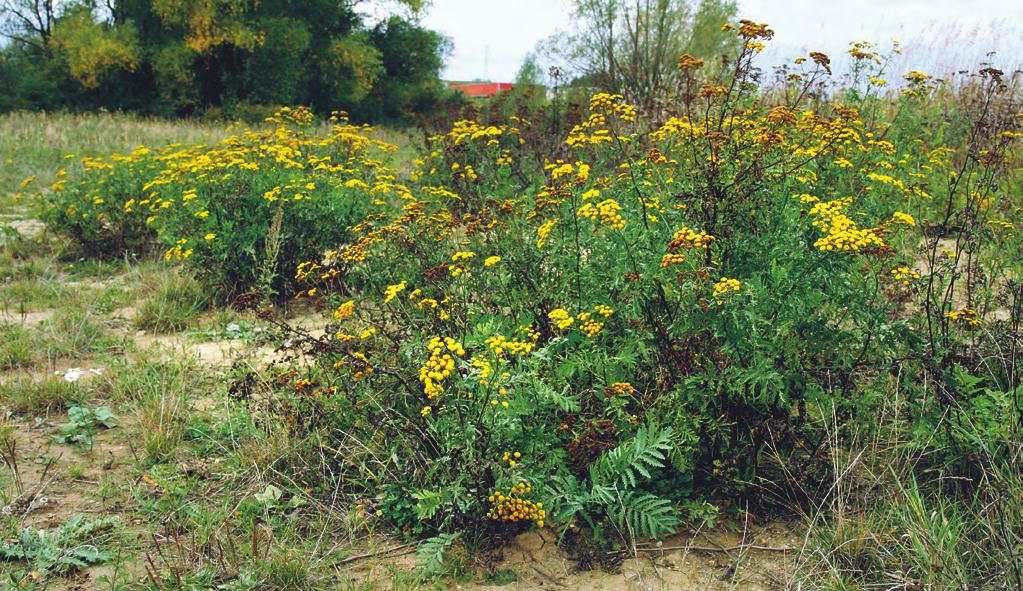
x=547 y=576
x=741 y=547
x=355 y=557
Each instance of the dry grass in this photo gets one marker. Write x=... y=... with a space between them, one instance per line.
x=36 y=143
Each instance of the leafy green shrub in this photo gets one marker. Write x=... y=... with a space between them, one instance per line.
x=241 y=214
x=703 y=289
x=91 y=210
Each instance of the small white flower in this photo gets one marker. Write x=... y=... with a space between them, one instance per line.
x=233 y=327
x=73 y=374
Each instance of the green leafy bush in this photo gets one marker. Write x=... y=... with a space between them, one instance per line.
x=736 y=279
x=664 y=313
x=241 y=214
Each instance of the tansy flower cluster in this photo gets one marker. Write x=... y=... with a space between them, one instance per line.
x=688 y=62
x=359 y=365
x=606 y=213
x=513 y=507
x=594 y=130
x=904 y=218
x=178 y=251
x=423 y=303
x=563 y=173
x=841 y=232
x=905 y=275
x=619 y=389
x=482 y=364
x=967 y=316
x=588 y=322
x=504 y=404
x=685 y=239
x=502 y=345
x=344 y=310
x=467 y=129
x=588 y=325
x=457 y=268
x=562 y=319
x=392 y=291
x=544 y=231
x=724 y=287
x=440 y=365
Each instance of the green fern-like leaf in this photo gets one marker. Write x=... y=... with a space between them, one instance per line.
x=430 y=554
x=644 y=515
x=623 y=465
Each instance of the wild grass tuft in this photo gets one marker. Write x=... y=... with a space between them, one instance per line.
x=175 y=302
x=19 y=346
x=76 y=332
x=40 y=396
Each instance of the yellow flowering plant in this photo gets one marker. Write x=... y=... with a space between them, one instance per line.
x=243 y=213
x=662 y=307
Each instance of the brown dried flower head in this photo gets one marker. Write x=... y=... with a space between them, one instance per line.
x=688 y=62
x=752 y=30
x=821 y=60
x=711 y=90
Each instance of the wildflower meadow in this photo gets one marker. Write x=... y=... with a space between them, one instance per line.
x=767 y=326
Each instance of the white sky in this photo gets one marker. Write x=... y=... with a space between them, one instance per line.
x=491 y=37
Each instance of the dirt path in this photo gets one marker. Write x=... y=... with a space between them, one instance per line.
x=21 y=221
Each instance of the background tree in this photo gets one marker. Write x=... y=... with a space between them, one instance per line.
x=29 y=22
x=237 y=58
x=632 y=46
x=93 y=49
x=412 y=58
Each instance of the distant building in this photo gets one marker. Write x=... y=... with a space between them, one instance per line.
x=481 y=89
x=486 y=90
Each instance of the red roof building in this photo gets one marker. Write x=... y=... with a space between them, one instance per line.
x=481 y=89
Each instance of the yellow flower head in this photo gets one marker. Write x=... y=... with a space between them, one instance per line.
x=393 y=290
x=345 y=310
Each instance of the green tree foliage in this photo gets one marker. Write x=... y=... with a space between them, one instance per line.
x=352 y=67
x=276 y=69
x=184 y=57
x=411 y=57
x=92 y=49
x=632 y=46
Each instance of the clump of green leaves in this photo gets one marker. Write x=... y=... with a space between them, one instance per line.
x=612 y=491
x=55 y=553
x=241 y=330
x=83 y=424
x=430 y=553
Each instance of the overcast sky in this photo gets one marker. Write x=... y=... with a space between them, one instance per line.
x=491 y=37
